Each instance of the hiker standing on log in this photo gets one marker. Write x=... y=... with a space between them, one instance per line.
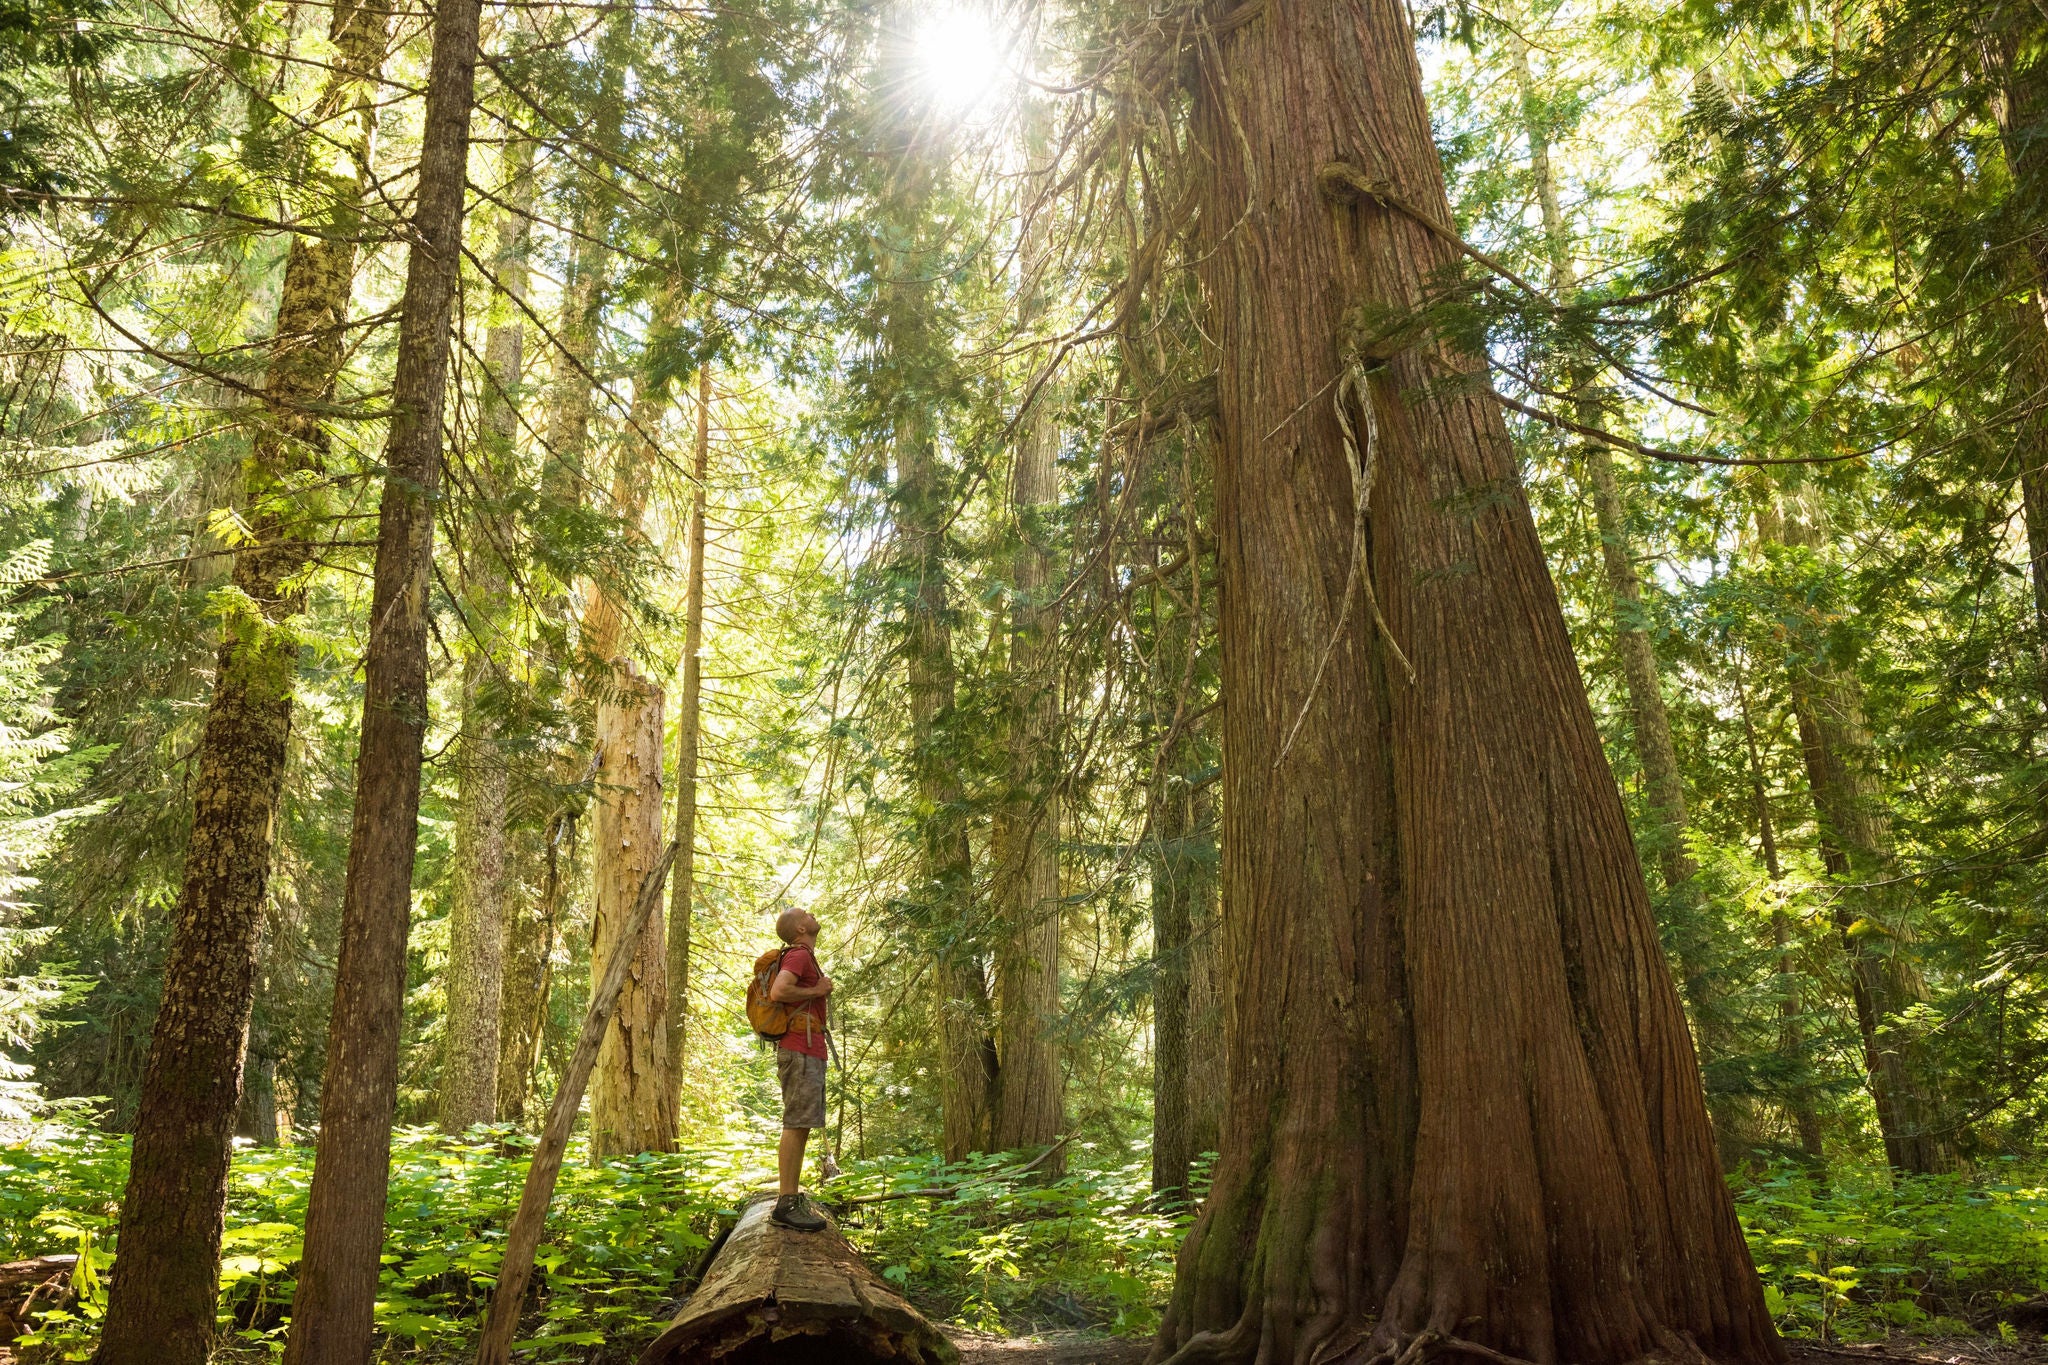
x=799 y=1062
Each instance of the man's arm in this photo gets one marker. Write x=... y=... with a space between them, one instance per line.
x=786 y=991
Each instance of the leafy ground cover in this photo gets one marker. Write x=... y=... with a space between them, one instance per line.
x=623 y=1238
x=1854 y=1258
x=1859 y=1255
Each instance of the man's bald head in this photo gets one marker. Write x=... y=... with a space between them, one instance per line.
x=792 y=925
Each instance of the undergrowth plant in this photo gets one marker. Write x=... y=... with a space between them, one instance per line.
x=988 y=1243
x=1862 y=1253
x=623 y=1238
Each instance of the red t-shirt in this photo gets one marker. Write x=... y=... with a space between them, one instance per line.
x=801 y=963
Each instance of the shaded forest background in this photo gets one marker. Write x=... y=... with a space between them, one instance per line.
x=825 y=480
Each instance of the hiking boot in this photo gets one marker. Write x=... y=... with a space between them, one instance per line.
x=794 y=1212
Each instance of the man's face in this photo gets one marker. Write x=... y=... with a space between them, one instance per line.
x=808 y=927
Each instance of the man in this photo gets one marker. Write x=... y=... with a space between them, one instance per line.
x=799 y=1062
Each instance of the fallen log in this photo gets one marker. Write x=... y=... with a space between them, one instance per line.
x=25 y=1286
x=777 y=1297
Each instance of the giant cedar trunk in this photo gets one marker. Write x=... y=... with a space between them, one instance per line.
x=1463 y=1100
x=689 y=733
x=160 y=1310
x=333 y=1310
x=632 y=1107
x=632 y=1100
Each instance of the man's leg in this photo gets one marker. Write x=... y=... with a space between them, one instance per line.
x=789 y=1159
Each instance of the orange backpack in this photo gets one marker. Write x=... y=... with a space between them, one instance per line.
x=770 y=1019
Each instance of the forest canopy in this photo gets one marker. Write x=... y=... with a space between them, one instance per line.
x=1401 y=647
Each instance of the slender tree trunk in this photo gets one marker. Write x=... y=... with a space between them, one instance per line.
x=2013 y=56
x=160 y=1310
x=529 y=971
x=258 y=1118
x=967 y=1063
x=1856 y=842
x=632 y=1104
x=1791 y=1010
x=1208 y=986
x=967 y=1050
x=1463 y=1100
x=1030 y=1099
x=477 y=927
x=1181 y=1120
x=333 y=1310
x=689 y=733
x=1173 y=1142
x=1650 y=722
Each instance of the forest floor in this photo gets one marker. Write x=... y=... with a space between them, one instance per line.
x=1083 y=1348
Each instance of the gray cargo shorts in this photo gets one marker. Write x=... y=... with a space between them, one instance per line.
x=803 y=1089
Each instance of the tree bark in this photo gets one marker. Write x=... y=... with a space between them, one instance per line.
x=1184 y=1007
x=1463 y=1103
x=1856 y=842
x=333 y=1310
x=160 y=1310
x=476 y=931
x=1030 y=1095
x=257 y=1119
x=1207 y=982
x=689 y=734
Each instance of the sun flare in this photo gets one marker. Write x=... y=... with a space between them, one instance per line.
x=962 y=58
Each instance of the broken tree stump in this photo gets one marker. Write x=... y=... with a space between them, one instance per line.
x=777 y=1297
